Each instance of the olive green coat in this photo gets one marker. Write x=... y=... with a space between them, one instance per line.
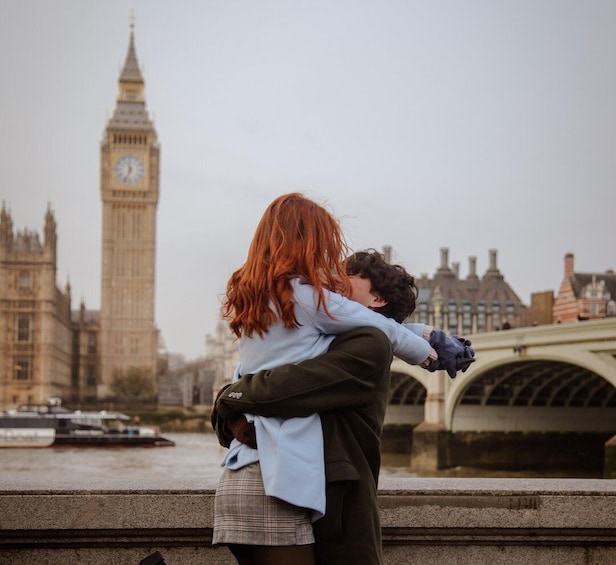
x=349 y=387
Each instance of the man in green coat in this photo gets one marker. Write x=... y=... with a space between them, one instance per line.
x=349 y=387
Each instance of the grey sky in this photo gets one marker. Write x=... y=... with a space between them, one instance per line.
x=463 y=124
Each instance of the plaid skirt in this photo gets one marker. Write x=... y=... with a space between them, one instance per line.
x=244 y=514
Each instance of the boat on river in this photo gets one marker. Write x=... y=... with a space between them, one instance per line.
x=52 y=425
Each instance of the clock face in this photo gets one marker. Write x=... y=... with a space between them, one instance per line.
x=129 y=169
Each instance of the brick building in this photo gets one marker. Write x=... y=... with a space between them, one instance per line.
x=584 y=296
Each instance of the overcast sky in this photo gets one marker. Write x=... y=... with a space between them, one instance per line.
x=471 y=125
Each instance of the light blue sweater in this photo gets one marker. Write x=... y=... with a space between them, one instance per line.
x=291 y=450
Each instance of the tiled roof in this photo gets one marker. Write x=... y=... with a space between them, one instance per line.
x=580 y=281
x=489 y=289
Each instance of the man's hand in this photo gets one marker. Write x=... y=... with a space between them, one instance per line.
x=243 y=431
x=224 y=435
x=238 y=427
x=454 y=353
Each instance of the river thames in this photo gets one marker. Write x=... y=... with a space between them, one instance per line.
x=194 y=462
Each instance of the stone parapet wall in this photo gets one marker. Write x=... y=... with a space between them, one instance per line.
x=427 y=521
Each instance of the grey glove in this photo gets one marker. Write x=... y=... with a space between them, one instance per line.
x=454 y=353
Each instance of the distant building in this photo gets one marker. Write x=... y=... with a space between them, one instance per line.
x=86 y=363
x=584 y=296
x=35 y=317
x=539 y=313
x=187 y=386
x=221 y=350
x=469 y=305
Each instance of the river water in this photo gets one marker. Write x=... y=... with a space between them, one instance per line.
x=194 y=463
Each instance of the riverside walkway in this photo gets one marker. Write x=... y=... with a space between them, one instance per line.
x=427 y=521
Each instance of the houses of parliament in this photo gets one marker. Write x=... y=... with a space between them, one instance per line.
x=47 y=348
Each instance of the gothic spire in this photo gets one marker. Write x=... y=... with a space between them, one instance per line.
x=130 y=112
x=6 y=225
x=131 y=71
x=50 y=227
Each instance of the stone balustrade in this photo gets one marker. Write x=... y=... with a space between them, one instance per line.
x=427 y=521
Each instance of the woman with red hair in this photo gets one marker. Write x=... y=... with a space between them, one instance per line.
x=286 y=304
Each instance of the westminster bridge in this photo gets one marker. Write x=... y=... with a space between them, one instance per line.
x=553 y=386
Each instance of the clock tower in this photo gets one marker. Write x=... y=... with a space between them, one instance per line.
x=129 y=192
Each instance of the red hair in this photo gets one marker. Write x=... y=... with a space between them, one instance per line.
x=295 y=238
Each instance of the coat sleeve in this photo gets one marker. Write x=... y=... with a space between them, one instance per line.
x=344 y=377
x=345 y=314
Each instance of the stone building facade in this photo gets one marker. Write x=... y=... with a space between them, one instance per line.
x=86 y=362
x=35 y=317
x=468 y=305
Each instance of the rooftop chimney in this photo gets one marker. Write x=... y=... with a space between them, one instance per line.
x=444 y=258
x=493 y=266
x=569 y=265
x=472 y=266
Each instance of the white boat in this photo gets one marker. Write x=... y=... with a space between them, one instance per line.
x=46 y=425
x=27 y=437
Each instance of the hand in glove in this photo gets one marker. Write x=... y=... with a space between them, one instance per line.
x=454 y=353
x=464 y=361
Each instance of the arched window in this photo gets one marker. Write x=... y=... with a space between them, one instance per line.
x=25 y=328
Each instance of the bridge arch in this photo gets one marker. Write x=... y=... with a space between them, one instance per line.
x=407 y=394
x=564 y=353
x=542 y=393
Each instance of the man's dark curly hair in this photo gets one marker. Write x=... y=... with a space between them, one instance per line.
x=391 y=283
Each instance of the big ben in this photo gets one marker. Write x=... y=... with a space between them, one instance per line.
x=129 y=192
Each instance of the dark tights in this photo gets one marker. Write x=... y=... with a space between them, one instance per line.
x=274 y=555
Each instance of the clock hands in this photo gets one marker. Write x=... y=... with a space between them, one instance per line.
x=129 y=169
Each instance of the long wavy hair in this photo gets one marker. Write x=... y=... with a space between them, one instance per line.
x=296 y=237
